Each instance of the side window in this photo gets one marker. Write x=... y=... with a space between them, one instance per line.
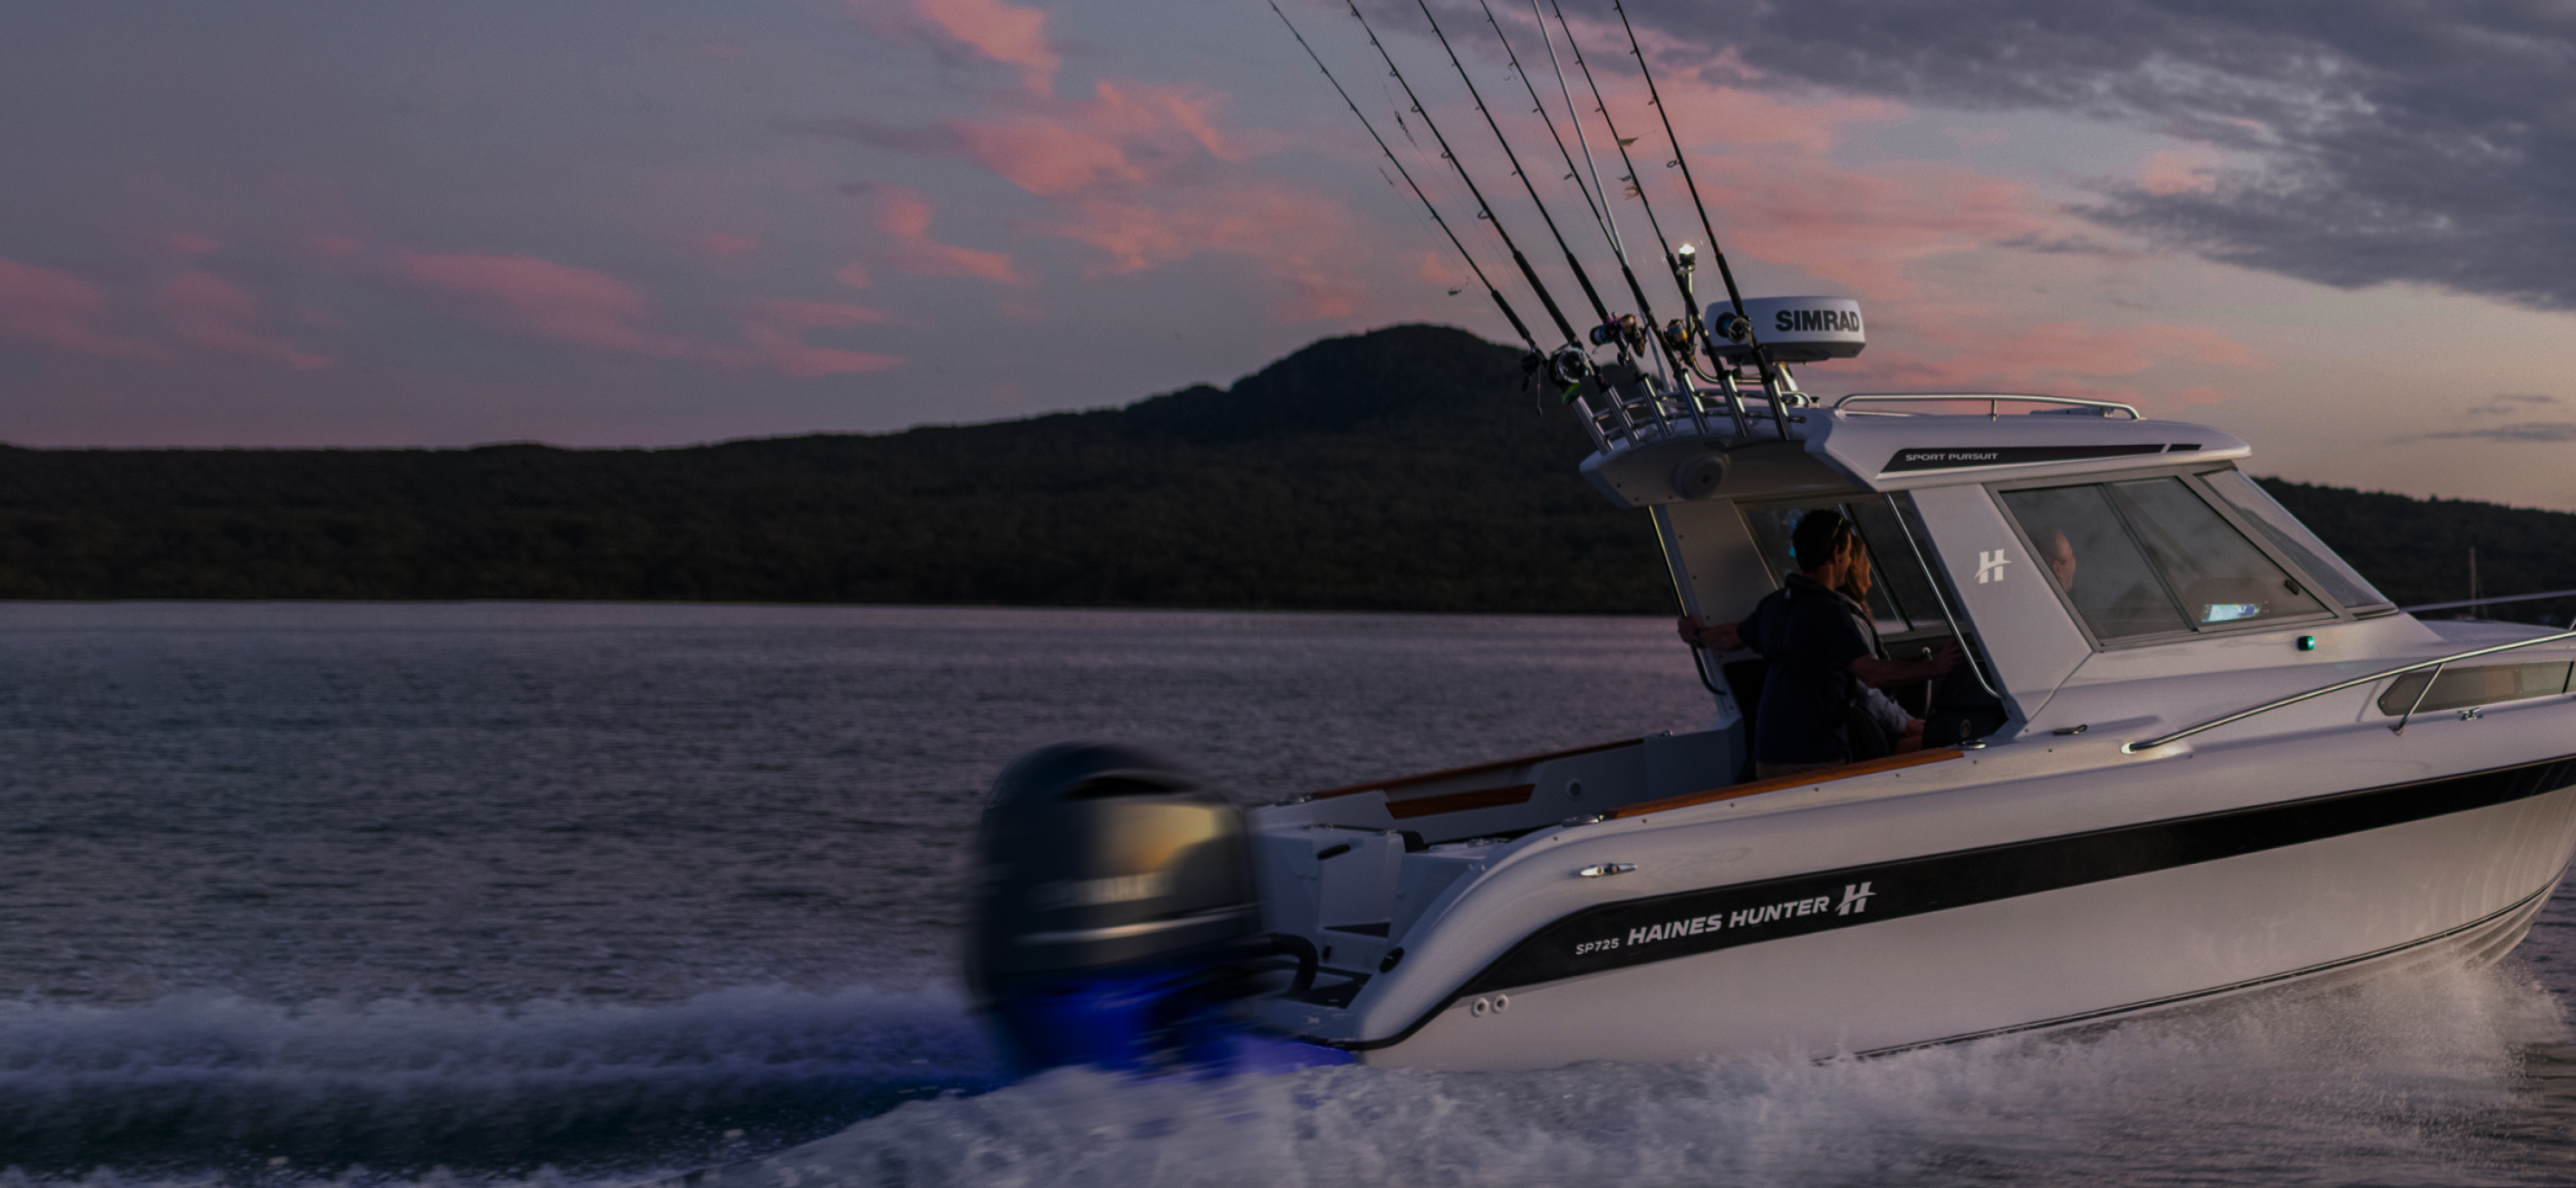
x=2218 y=574
x=2485 y=684
x=2149 y=557
x=2089 y=554
x=2293 y=539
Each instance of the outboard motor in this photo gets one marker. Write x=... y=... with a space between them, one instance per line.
x=1115 y=915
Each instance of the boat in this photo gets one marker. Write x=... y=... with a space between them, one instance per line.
x=2185 y=753
x=2215 y=761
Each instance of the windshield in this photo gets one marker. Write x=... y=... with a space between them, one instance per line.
x=2286 y=533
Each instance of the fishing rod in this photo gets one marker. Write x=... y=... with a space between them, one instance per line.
x=1497 y=294
x=1540 y=106
x=1568 y=373
x=1580 y=276
x=1742 y=324
x=1625 y=333
x=1678 y=354
x=1609 y=221
x=1690 y=308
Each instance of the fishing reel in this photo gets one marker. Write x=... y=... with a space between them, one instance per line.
x=1626 y=331
x=1733 y=327
x=1568 y=368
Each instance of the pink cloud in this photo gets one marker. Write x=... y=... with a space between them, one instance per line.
x=577 y=307
x=1862 y=228
x=2064 y=357
x=215 y=314
x=1307 y=242
x=2168 y=173
x=854 y=275
x=721 y=244
x=774 y=329
x=59 y=311
x=987 y=29
x=1705 y=113
x=543 y=299
x=1126 y=136
x=904 y=215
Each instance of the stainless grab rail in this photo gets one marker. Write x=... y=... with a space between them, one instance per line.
x=2132 y=748
x=1992 y=399
x=2434 y=606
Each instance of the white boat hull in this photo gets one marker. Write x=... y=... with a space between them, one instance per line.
x=2464 y=884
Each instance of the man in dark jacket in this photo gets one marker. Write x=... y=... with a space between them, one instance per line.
x=1821 y=659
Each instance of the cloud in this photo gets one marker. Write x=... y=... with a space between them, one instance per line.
x=774 y=333
x=214 y=314
x=2388 y=140
x=542 y=299
x=2507 y=403
x=1861 y=228
x=904 y=216
x=61 y=312
x=1307 y=241
x=988 y=30
x=1126 y=135
x=853 y=274
x=560 y=303
x=2066 y=357
x=191 y=244
x=2541 y=431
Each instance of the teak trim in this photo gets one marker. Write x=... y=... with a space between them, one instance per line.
x=1451 y=802
x=1429 y=777
x=1758 y=787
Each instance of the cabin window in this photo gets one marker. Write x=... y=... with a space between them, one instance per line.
x=2149 y=557
x=1900 y=593
x=2483 y=684
x=2276 y=525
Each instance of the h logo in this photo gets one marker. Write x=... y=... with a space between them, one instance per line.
x=1990 y=566
x=1855 y=900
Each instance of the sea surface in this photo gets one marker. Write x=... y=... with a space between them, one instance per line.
x=570 y=895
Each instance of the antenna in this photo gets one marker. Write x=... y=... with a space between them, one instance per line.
x=1490 y=290
x=1580 y=276
x=1484 y=209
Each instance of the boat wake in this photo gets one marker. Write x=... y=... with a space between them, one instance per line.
x=2412 y=1077
x=2411 y=1072
x=210 y=1086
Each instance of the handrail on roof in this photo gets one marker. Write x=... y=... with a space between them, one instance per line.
x=2132 y=748
x=1992 y=399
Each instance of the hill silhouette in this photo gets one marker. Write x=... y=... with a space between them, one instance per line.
x=1402 y=469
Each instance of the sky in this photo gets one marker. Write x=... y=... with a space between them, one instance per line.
x=2345 y=231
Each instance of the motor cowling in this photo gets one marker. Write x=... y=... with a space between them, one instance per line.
x=1115 y=911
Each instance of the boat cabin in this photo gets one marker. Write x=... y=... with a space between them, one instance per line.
x=2080 y=555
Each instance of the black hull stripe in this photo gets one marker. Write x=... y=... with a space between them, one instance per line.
x=1685 y=924
x=1661 y=928
x=2154 y=1004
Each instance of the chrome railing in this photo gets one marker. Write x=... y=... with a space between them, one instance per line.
x=2436 y=664
x=1652 y=410
x=1992 y=399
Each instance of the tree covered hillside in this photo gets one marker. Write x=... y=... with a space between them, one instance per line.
x=1403 y=469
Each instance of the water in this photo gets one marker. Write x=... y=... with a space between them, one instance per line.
x=580 y=895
